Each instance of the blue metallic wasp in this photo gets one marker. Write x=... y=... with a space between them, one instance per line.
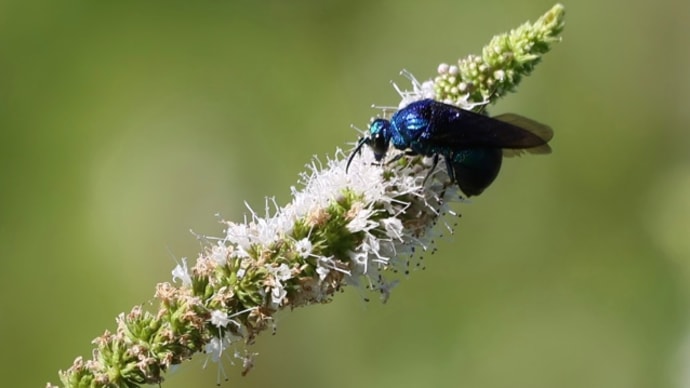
x=472 y=144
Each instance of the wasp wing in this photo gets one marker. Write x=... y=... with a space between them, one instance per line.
x=542 y=131
x=450 y=126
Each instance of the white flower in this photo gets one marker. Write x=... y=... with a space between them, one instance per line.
x=219 y=253
x=362 y=221
x=360 y=260
x=215 y=348
x=282 y=272
x=322 y=271
x=219 y=318
x=278 y=293
x=303 y=247
x=394 y=227
x=182 y=272
x=238 y=234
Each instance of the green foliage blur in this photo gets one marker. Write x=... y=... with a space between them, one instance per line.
x=122 y=126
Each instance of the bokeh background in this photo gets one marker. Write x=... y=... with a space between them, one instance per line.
x=122 y=126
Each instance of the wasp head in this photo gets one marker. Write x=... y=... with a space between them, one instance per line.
x=378 y=139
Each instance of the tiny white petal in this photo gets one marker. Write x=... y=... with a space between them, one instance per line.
x=219 y=318
x=182 y=272
x=303 y=247
x=361 y=221
x=219 y=253
x=360 y=259
x=282 y=273
x=215 y=347
x=322 y=272
x=278 y=293
x=394 y=227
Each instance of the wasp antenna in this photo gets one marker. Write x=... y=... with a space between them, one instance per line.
x=360 y=143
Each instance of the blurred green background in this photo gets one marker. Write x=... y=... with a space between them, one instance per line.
x=122 y=126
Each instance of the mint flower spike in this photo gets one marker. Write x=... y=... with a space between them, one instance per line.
x=503 y=63
x=364 y=227
x=357 y=228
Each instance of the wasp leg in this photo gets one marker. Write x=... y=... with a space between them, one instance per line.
x=449 y=168
x=400 y=155
x=431 y=170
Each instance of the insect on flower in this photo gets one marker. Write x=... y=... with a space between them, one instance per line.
x=472 y=144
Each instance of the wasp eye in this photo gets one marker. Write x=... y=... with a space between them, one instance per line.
x=379 y=145
x=379 y=138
